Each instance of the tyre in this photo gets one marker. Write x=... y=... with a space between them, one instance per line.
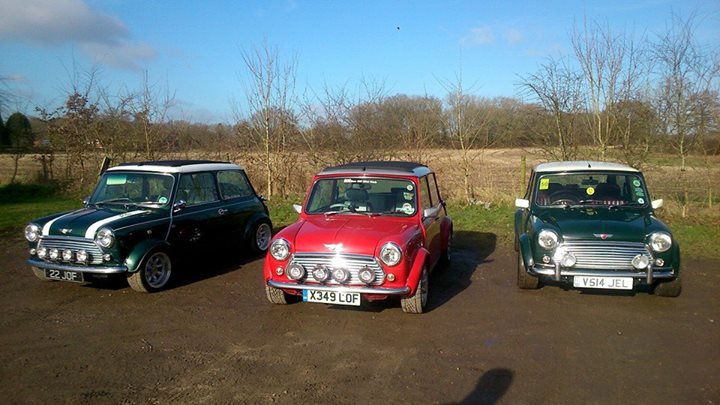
x=153 y=274
x=40 y=273
x=669 y=288
x=416 y=304
x=524 y=280
x=276 y=295
x=260 y=237
x=447 y=252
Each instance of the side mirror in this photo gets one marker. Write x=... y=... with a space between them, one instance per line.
x=297 y=208
x=522 y=203
x=430 y=212
x=262 y=198
x=86 y=200
x=657 y=204
x=179 y=205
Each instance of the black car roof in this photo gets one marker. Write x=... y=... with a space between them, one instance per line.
x=380 y=167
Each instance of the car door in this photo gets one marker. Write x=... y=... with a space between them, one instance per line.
x=239 y=201
x=431 y=223
x=198 y=223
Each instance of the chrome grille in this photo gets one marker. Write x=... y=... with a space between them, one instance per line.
x=605 y=255
x=350 y=262
x=74 y=244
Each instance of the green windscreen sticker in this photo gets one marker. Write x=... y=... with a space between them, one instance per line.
x=116 y=179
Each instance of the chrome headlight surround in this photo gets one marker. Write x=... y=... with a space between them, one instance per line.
x=32 y=233
x=105 y=237
x=390 y=254
x=280 y=249
x=660 y=241
x=548 y=239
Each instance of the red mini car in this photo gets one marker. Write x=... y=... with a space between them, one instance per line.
x=368 y=231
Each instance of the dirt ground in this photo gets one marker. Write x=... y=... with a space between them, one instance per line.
x=214 y=338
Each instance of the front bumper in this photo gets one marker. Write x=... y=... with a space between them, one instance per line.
x=361 y=290
x=82 y=269
x=557 y=273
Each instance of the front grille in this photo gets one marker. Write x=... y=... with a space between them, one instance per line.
x=605 y=255
x=350 y=262
x=74 y=244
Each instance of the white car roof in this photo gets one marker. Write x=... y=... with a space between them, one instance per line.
x=176 y=166
x=582 y=166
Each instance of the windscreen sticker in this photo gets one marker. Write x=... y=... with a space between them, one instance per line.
x=162 y=200
x=590 y=190
x=410 y=187
x=408 y=208
x=636 y=183
x=408 y=196
x=116 y=179
x=544 y=184
x=639 y=192
x=641 y=201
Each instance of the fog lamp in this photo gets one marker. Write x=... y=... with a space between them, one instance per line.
x=33 y=252
x=341 y=275
x=67 y=255
x=366 y=275
x=640 y=261
x=296 y=271
x=42 y=253
x=321 y=273
x=81 y=256
x=107 y=257
x=659 y=262
x=568 y=260
x=53 y=254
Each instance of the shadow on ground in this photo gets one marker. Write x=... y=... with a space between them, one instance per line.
x=490 y=387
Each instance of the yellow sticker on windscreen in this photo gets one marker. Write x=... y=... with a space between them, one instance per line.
x=544 y=184
x=590 y=191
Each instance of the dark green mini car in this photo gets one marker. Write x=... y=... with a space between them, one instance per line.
x=143 y=217
x=592 y=225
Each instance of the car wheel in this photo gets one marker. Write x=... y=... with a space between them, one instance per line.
x=446 y=253
x=153 y=274
x=669 y=288
x=524 y=280
x=276 y=295
x=40 y=273
x=417 y=303
x=260 y=237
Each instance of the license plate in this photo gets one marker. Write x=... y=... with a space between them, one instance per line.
x=64 y=275
x=332 y=297
x=613 y=283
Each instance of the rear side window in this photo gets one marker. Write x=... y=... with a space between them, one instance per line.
x=424 y=194
x=433 y=189
x=233 y=184
x=197 y=188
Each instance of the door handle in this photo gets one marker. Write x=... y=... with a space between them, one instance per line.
x=222 y=211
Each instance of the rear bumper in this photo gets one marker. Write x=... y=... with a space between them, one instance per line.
x=361 y=290
x=82 y=269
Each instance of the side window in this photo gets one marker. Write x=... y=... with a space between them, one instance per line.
x=233 y=184
x=433 y=189
x=197 y=188
x=424 y=194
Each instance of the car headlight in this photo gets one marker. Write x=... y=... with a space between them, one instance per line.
x=548 y=239
x=660 y=241
x=390 y=254
x=280 y=249
x=32 y=233
x=105 y=237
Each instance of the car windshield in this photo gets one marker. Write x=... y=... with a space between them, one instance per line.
x=363 y=195
x=132 y=188
x=592 y=188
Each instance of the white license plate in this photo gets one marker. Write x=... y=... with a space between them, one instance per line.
x=64 y=275
x=613 y=283
x=332 y=297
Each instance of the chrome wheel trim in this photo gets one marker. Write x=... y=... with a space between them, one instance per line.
x=157 y=270
x=263 y=236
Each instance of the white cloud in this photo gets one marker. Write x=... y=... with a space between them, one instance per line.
x=514 y=36
x=478 y=36
x=57 y=22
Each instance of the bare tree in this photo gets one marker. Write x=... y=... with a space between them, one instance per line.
x=270 y=96
x=149 y=108
x=557 y=89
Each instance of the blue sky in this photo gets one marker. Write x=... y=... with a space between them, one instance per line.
x=193 y=48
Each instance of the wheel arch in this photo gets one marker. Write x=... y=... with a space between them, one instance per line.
x=141 y=250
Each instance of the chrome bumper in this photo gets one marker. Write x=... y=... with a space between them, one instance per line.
x=557 y=273
x=361 y=290
x=88 y=269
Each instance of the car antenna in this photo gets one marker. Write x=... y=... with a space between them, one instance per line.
x=589 y=166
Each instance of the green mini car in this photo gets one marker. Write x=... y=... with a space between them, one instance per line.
x=592 y=225
x=144 y=217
